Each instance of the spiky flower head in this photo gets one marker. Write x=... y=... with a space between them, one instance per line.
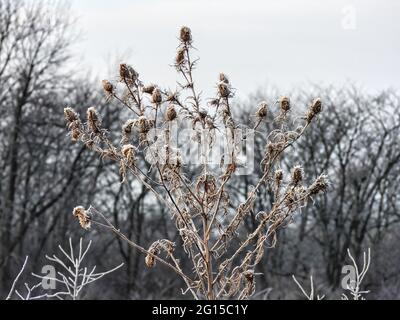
x=185 y=34
x=314 y=110
x=320 y=185
x=127 y=74
x=128 y=152
x=82 y=215
x=149 y=89
x=284 y=104
x=297 y=174
x=93 y=120
x=262 y=110
x=156 y=96
x=74 y=123
x=108 y=87
x=171 y=114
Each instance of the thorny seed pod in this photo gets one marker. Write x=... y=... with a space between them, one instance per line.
x=214 y=102
x=314 y=110
x=180 y=57
x=285 y=104
x=127 y=74
x=93 y=121
x=70 y=115
x=185 y=34
x=319 y=185
x=278 y=176
x=155 y=249
x=127 y=131
x=83 y=217
x=127 y=127
x=74 y=123
x=108 y=87
x=262 y=110
x=170 y=115
x=172 y=96
x=75 y=135
x=128 y=152
x=297 y=174
x=156 y=96
x=150 y=261
x=149 y=88
x=223 y=78
x=143 y=124
x=223 y=90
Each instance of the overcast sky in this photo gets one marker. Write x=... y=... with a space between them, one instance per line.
x=284 y=43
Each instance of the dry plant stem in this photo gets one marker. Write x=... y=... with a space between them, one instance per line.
x=309 y=296
x=16 y=279
x=175 y=268
x=206 y=235
x=260 y=182
x=253 y=235
x=190 y=227
x=126 y=105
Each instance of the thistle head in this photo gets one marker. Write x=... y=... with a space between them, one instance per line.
x=108 y=87
x=297 y=174
x=314 y=110
x=171 y=114
x=93 y=120
x=319 y=185
x=83 y=216
x=284 y=103
x=127 y=74
x=262 y=110
x=156 y=96
x=149 y=89
x=185 y=34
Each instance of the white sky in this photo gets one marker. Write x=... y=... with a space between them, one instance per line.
x=256 y=43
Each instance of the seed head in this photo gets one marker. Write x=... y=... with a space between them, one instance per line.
x=143 y=124
x=70 y=115
x=262 y=110
x=127 y=131
x=223 y=90
x=108 y=87
x=170 y=115
x=285 y=104
x=127 y=127
x=156 y=96
x=297 y=174
x=185 y=34
x=180 y=57
x=314 y=110
x=93 y=121
x=320 y=185
x=278 y=175
x=149 y=89
x=172 y=96
x=74 y=123
x=82 y=215
x=223 y=78
x=150 y=261
x=127 y=74
x=128 y=152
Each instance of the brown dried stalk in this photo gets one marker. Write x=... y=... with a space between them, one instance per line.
x=200 y=207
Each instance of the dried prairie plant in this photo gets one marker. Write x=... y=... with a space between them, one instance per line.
x=351 y=283
x=354 y=288
x=205 y=215
x=311 y=294
x=70 y=278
